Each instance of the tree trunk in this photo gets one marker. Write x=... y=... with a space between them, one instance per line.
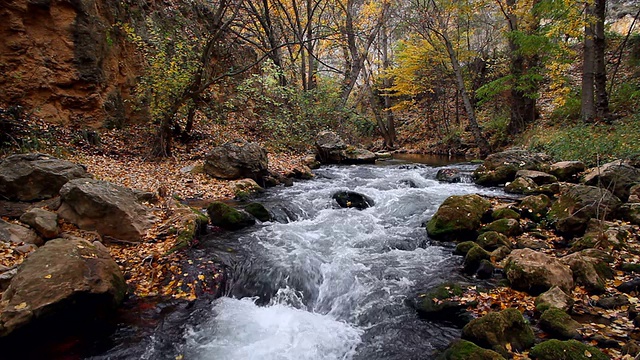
x=600 y=76
x=588 y=111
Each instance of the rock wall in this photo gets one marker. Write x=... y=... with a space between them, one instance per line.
x=65 y=61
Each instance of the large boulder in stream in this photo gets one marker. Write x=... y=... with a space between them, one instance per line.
x=497 y=330
x=29 y=177
x=352 y=199
x=228 y=218
x=458 y=218
x=111 y=210
x=65 y=280
x=237 y=159
x=452 y=175
x=331 y=149
x=500 y=168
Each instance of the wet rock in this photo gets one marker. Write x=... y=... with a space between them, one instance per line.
x=536 y=272
x=16 y=234
x=237 y=159
x=502 y=167
x=258 y=211
x=29 y=177
x=458 y=217
x=491 y=240
x=497 y=329
x=64 y=279
x=570 y=349
x=444 y=303
x=354 y=155
x=331 y=149
x=311 y=162
x=43 y=221
x=302 y=172
x=464 y=247
x=584 y=272
x=539 y=177
x=111 y=210
x=245 y=188
x=618 y=176
x=466 y=350
x=559 y=324
x=535 y=207
x=566 y=170
x=505 y=213
x=556 y=298
x=508 y=227
x=352 y=199
x=453 y=176
x=474 y=257
x=485 y=270
x=226 y=217
x=578 y=204
x=521 y=185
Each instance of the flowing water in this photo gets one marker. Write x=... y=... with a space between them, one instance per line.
x=323 y=282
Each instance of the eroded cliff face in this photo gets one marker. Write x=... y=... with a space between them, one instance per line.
x=63 y=60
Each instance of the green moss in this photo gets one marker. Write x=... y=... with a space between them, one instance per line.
x=559 y=324
x=497 y=329
x=226 y=217
x=629 y=267
x=491 y=240
x=505 y=213
x=473 y=259
x=466 y=350
x=565 y=350
x=457 y=217
x=258 y=211
x=464 y=247
x=508 y=227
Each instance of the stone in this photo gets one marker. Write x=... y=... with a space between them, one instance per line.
x=352 y=199
x=534 y=207
x=559 y=324
x=570 y=349
x=5 y=278
x=43 y=221
x=612 y=302
x=617 y=176
x=331 y=149
x=500 y=168
x=566 y=170
x=578 y=204
x=508 y=227
x=631 y=212
x=464 y=247
x=584 y=272
x=16 y=234
x=539 y=177
x=630 y=286
x=355 y=155
x=444 y=303
x=302 y=172
x=237 y=159
x=311 y=162
x=500 y=253
x=474 y=257
x=491 y=240
x=556 y=298
x=602 y=234
x=228 y=218
x=634 y=194
x=521 y=185
x=244 y=188
x=528 y=243
x=536 y=272
x=451 y=175
x=458 y=217
x=258 y=211
x=497 y=329
x=29 y=177
x=505 y=213
x=485 y=270
x=111 y=210
x=185 y=222
x=64 y=280
x=466 y=350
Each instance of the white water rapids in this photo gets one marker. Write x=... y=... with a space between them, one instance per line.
x=339 y=277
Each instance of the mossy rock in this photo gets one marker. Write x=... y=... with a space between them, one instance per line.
x=500 y=175
x=228 y=218
x=565 y=350
x=535 y=207
x=505 y=213
x=458 y=217
x=521 y=185
x=500 y=253
x=492 y=240
x=464 y=247
x=559 y=324
x=497 y=329
x=443 y=304
x=258 y=211
x=508 y=227
x=629 y=267
x=474 y=257
x=466 y=350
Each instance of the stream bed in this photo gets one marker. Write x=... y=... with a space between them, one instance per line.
x=320 y=281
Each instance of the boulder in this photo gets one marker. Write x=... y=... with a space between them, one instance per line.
x=464 y=247
x=612 y=302
x=352 y=199
x=466 y=350
x=497 y=329
x=330 y=149
x=226 y=217
x=500 y=168
x=16 y=234
x=536 y=272
x=302 y=172
x=505 y=213
x=521 y=185
x=634 y=194
x=584 y=272
x=485 y=270
x=444 y=303
x=29 y=177
x=500 y=253
x=311 y=162
x=534 y=207
x=453 y=176
x=578 y=204
x=65 y=279
x=566 y=170
x=111 y=210
x=492 y=240
x=258 y=211
x=559 y=324
x=185 y=222
x=458 y=217
x=508 y=227
x=556 y=298
x=474 y=257
x=244 y=188
x=631 y=212
x=617 y=176
x=354 y=155
x=604 y=235
x=43 y=221
x=539 y=177
x=630 y=286
x=570 y=349
x=237 y=159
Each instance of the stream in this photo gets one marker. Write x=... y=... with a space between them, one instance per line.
x=320 y=281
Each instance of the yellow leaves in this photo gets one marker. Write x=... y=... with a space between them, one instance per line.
x=20 y=306
x=587 y=353
x=47 y=276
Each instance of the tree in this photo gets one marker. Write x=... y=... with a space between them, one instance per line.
x=595 y=101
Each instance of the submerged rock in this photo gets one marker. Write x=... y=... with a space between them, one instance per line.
x=352 y=199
